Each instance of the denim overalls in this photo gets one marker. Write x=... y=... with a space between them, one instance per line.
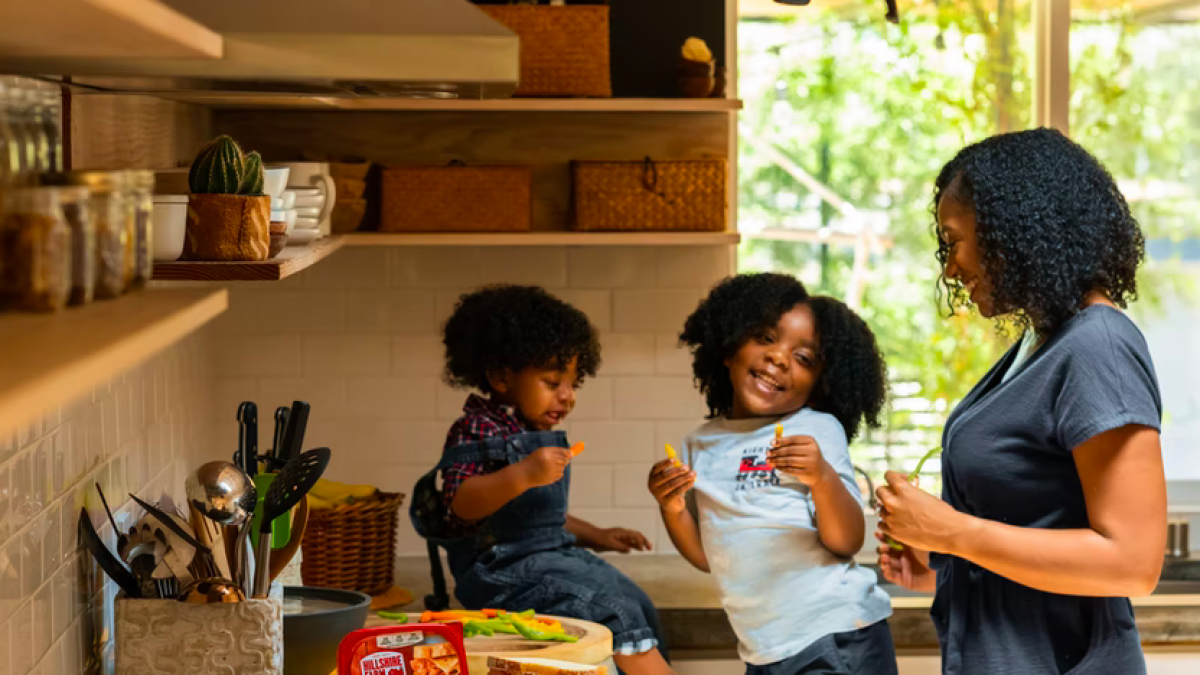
x=522 y=557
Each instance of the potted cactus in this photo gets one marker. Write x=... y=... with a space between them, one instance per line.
x=228 y=214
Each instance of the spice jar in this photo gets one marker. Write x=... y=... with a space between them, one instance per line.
x=77 y=212
x=37 y=266
x=107 y=213
x=141 y=191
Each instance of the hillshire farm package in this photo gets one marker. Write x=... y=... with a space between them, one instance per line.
x=419 y=649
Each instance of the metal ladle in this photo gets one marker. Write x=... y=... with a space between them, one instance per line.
x=223 y=493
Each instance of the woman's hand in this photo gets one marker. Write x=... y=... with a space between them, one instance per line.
x=916 y=518
x=907 y=567
x=670 y=484
x=800 y=457
x=620 y=540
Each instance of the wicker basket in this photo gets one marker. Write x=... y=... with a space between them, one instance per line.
x=564 y=50
x=684 y=195
x=352 y=547
x=457 y=199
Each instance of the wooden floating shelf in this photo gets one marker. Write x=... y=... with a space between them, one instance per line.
x=102 y=29
x=549 y=105
x=52 y=359
x=543 y=239
x=293 y=259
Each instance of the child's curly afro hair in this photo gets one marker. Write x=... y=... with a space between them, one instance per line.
x=852 y=382
x=1051 y=226
x=510 y=328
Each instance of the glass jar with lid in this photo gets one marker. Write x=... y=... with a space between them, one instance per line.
x=37 y=265
x=108 y=214
x=141 y=190
x=76 y=206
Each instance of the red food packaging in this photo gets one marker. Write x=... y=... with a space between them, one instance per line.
x=417 y=649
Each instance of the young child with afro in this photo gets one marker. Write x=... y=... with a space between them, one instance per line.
x=763 y=496
x=501 y=512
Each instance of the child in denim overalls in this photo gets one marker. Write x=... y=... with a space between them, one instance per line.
x=501 y=514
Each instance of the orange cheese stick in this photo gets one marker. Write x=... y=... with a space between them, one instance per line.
x=778 y=431
x=577 y=449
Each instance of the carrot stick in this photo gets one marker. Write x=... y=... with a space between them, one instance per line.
x=577 y=449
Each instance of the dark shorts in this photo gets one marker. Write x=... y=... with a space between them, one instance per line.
x=867 y=651
x=566 y=581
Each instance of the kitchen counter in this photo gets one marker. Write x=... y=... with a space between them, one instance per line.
x=695 y=625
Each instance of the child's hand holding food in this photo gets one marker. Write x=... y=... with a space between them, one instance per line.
x=669 y=482
x=800 y=457
x=545 y=466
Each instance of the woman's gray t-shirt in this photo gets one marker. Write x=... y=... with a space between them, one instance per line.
x=1007 y=457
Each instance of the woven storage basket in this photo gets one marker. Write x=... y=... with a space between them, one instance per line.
x=686 y=195
x=564 y=50
x=456 y=199
x=352 y=547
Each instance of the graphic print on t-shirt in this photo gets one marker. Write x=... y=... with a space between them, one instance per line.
x=754 y=472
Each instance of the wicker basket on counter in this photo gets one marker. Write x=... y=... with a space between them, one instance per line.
x=457 y=198
x=564 y=50
x=352 y=546
x=674 y=196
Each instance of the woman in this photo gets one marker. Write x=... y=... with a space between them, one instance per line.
x=1053 y=508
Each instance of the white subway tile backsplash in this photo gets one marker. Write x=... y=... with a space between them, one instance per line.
x=390 y=311
x=527 y=265
x=612 y=267
x=629 y=485
x=390 y=442
x=278 y=311
x=437 y=267
x=450 y=402
x=614 y=442
x=21 y=639
x=669 y=357
x=692 y=266
x=674 y=432
x=627 y=353
x=594 y=400
x=654 y=310
x=326 y=395
x=657 y=398
x=365 y=267
x=254 y=356
x=591 y=486
x=43 y=579
x=418 y=355
x=43 y=621
x=345 y=355
x=391 y=397
x=444 y=303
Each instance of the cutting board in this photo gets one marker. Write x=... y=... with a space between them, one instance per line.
x=595 y=645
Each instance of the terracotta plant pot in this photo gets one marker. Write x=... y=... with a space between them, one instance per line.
x=279 y=238
x=696 y=79
x=228 y=228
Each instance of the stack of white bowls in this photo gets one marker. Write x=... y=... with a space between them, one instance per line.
x=310 y=195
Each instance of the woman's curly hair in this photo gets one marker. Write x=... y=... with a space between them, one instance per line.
x=851 y=386
x=510 y=328
x=1051 y=224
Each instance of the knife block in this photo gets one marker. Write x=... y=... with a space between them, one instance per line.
x=155 y=636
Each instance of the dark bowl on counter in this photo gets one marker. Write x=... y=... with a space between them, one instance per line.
x=314 y=622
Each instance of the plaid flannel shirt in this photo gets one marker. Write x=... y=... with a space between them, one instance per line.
x=482 y=419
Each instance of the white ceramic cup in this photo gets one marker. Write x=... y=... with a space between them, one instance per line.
x=312 y=175
x=169 y=226
x=287 y=201
x=275 y=181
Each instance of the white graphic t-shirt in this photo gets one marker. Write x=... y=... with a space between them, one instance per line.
x=780 y=587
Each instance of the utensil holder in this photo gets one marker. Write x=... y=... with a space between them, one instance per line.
x=168 y=636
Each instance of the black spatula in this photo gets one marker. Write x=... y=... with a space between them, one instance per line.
x=290 y=486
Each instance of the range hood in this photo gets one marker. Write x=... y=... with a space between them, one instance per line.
x=421 y=48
